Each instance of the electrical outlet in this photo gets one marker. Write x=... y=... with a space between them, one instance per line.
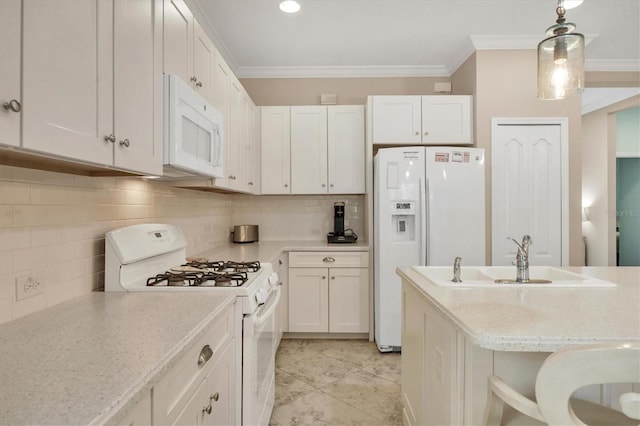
x=28 y=286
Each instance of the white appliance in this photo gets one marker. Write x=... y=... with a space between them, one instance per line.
x=193 y=132
x=151 y=257
x=428 y=209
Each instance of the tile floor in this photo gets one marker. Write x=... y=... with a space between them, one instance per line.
x=336 y=382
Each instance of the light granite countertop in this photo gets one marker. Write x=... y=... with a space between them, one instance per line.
x=91 y=359
x=268 y=251
x=541 y=319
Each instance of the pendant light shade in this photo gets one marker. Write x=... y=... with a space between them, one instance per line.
x=560 y=60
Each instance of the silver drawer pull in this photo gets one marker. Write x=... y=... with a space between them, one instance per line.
x=205 y=355
x=328 y=259
x=12 y=105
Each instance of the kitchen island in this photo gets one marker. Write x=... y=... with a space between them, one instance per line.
x=454 y=337
x=95 y=358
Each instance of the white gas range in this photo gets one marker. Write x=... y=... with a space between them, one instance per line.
x=152 y=257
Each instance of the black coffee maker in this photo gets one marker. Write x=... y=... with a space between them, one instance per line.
x=339 y=234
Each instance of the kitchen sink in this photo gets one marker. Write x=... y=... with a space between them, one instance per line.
x=486 y=276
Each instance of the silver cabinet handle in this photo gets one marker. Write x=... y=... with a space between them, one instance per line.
x=110 y=138
x=323 y=185
x=13 y=105
x=193 y=78
x=251 y=183
x=324 y=277
x=199 y=84
x=125 y=143
x=333 y=278
x=213 y=398
x=328 y=259
x=286 y=185
x=331 y=185
x=205 y=355
x=417 y=133
x=426 y=133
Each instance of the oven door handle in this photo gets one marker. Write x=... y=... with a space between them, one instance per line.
x=268 y=308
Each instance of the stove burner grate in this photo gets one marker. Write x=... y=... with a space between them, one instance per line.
x=225 y=266
x=195 y=279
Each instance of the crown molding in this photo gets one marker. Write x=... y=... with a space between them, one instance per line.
x=344 y=71
x=513 y=42
x=631 y=65
x=595 y=98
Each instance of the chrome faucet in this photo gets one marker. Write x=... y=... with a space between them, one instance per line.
x=456 y=270
x=522 y=258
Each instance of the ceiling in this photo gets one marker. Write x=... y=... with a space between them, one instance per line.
x=360 y=38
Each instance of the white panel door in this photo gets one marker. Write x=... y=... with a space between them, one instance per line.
x=276 y=143
x=527 y=192
x=345 y=140
x=67 y=78
x=446 y=120
x=10 y=23
x=348 y=300
x=397 y=120
x=204 y=62
x=308 y=300
x=137 y=94
x=178 y=39
x=308 y=149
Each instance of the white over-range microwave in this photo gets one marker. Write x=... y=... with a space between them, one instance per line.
x=193 y=132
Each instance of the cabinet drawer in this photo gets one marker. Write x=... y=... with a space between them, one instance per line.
x=330 y=259
x=176 y=388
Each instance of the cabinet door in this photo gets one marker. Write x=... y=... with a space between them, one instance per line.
x=10 y=25
x=308 y=150
x=204 y=62
x=348 y=300
x=250 y=154
x=233 y=136
x=256 y=171
x=137 y=39
x=397 y=120
x=67 y=80
x=308 y=300
x=446 y=120
x=346 y=153
x=276 y=142
x=178 y=39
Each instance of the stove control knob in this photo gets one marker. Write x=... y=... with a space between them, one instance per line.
x=261 y=296
x=273 y=278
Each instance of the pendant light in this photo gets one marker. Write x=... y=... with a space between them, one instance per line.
x=560 y=60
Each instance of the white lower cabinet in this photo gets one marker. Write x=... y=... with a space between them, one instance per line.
x=211 y=403
x=201 y=388
x=444 y=375
x=324 y=298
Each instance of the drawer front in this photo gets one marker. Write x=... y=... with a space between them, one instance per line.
x=329 y=259
x=175 y=389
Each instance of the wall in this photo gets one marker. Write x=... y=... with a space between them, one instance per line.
x=297 y=217
x=628 y=132
x=350 y=91
x=505 y=86
x=53 y=225
x=598 y=181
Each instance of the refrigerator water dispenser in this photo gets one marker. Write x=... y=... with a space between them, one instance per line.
x=403 y=221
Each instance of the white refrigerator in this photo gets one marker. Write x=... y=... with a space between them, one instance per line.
x=428 y=209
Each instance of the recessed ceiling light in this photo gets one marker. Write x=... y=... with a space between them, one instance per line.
x=289 y=6
x=570 y=4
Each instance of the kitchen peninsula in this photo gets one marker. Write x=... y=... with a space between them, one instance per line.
x=454 y=337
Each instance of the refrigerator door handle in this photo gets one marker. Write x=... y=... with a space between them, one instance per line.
x=424 y=235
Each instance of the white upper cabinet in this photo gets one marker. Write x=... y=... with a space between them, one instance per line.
x=308 y=149
x=138 y=85
x=91 y=82
x=188 y=51
x=326 y=146
x=430 y=120
x=67 y=79
x=276 y=144
x=446 y=120
x=10 y=101
x=346 y=149
x=397 y=119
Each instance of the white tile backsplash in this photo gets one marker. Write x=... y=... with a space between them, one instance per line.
x=53 y=225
